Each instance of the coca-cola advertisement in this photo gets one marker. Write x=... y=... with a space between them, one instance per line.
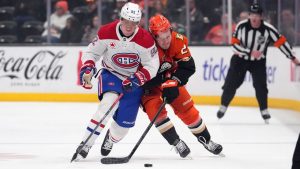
x=44 y=64
x=39 y=69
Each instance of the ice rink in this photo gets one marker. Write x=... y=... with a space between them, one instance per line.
x=38 y=135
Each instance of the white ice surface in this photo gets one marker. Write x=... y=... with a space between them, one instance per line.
x=38 y=135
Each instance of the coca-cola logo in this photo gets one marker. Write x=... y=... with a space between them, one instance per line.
x=126 y=60
x=42 y=65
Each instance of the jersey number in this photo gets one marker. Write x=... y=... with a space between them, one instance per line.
x=184 y=50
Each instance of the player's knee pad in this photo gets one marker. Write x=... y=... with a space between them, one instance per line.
x=117 y=132
x=189 y=116
x=106 y=102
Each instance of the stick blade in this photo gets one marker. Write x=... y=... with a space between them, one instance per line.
x=74 y=157
x=114 y=160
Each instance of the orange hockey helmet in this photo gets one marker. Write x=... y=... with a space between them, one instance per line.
x=158 y=23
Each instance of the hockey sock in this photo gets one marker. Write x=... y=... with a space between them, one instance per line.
x=106 y=102
x=117 y=132
x=90 y=129
x=167 y=130
x=199 y=130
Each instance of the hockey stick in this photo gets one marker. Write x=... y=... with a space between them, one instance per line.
x=120 y=160
x=105 y=115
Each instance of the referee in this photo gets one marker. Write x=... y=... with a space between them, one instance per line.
x=250 y=42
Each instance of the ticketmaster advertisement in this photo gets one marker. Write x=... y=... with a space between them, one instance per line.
x=212 y=65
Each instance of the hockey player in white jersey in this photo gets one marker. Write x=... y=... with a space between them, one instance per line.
x=129 y=59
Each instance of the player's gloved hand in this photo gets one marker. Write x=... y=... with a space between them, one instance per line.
x=170 y=90
x=134 y=81
x=87 y=71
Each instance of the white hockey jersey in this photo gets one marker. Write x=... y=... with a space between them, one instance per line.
x=124 y=56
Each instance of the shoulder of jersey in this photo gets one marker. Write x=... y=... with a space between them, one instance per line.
x=179 y=39
x=143 y=38
x=266 y=24
x=108 y=31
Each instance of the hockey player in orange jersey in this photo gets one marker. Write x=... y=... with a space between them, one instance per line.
x=176 y=66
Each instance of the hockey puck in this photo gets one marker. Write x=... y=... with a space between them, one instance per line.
x=147 y=165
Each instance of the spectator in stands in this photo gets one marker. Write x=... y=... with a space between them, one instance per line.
x=72 y=33
x=91 y=30
x=159 y=8
x=218 y=35
x=288 y=26
x=116 y=12
x=211 y=9
x=151 y=11
x=92 y=10
x=243 y=15
x=196 y=22
x=58 y=21
x=173 y=9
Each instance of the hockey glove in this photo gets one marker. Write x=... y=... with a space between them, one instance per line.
x=134 y=81
x=170 y=90
x=87 y=71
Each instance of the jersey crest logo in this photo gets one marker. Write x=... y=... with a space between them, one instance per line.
x=179 y=36
x=126 y=60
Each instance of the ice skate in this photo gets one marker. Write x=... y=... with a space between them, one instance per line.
x=84 y=150
x=265 y=115
x=181 y=148
x=221 y=111
x=106 y=145
x=211 y=146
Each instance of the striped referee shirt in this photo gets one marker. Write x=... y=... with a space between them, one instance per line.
x=246 y=39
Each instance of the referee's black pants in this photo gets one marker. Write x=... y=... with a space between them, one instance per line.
x=296 y=155
x=236 y=76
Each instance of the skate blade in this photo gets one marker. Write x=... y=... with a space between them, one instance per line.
x=188 y=157
x=221 y=155
x=267 y=121
x=78 y=158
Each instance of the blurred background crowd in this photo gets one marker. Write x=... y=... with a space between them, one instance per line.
x=204 y=22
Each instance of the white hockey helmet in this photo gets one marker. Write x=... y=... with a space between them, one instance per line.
x=131 y=11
